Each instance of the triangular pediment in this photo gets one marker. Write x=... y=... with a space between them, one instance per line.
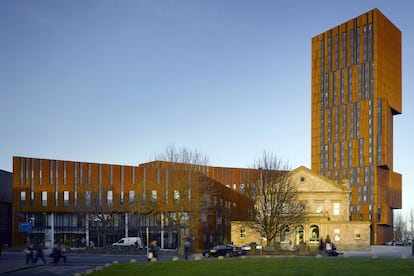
x=310 y=181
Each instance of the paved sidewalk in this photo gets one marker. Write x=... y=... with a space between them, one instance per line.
x=13 y=261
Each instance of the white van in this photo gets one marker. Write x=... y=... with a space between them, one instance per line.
x=129 y=242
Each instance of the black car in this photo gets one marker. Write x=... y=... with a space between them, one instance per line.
x=226 y=250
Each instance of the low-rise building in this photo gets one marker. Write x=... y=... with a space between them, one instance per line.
x=327 y=214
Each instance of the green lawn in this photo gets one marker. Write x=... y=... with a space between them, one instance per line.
x=266 y=266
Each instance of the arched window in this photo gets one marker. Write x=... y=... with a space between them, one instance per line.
x=284 y=237
x=300 y=234
x=314 y=233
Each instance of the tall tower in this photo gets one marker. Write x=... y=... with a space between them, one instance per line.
x=356 y=91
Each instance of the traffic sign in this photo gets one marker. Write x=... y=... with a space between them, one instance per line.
x=25 y=227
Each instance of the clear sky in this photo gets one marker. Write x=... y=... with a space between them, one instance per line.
x=118 y=81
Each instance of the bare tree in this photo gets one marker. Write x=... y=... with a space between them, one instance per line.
x=411 y=221
x=276 y=198
x=400 y=226
x=189 y=205
x=183 y=155
x=100 y=210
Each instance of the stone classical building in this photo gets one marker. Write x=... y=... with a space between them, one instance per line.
x=327 y=214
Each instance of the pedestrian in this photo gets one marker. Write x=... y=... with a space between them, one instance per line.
x=153 y=251
x=55 y=255
x=29 y=253
x=187 y=248
x=39 y=253
x=328 y=245
x=62 y=249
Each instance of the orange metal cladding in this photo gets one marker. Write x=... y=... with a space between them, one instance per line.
x=38 y=178
x=356 y=91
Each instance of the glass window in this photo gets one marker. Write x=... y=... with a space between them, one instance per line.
x=319 y=206
x=242 y=233
x=336 y=208
x=329 y=54
x=154 y=196
x=336 y=52
x=64 y=172
x=40 y=172
x=176 y=195
x=334 y=88
x=352 y=47
x=65 y=198
x=50 y=172
x=314 y=233
x=89 y=173
x=344 y=57
x=285 y=235
x=88 y=198
x=242 y=188
x=110 y=174
x=358 y=42
x=80 y=173
x=44 y=198
x=131 y=196
x=22 y=198
x=109 y=198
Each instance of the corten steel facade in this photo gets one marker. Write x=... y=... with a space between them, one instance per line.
x=65 y=197
x=356 y=91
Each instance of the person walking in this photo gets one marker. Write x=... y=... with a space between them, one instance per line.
x=29 y=253
x=39 y=253
x=55 y=255
x=153 y=250
x=187 y=248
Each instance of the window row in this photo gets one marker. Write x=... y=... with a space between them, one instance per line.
x=54 y=168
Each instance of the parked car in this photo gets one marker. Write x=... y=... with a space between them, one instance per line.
x=399 y=243
x=129 y=242
x=226 y=250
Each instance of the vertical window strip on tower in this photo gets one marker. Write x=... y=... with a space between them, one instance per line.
x=334 y=88
x=329 y=125
x=350 y=85
x=379 y=131
x=359 y=82
x=358 y=43
x=342 y=96
x=344 y=121
x=344 y=54
x=336 y=123
x=329 y=54
x=352 y=48
x=336 y=52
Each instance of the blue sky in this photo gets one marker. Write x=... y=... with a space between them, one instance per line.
x=119 y=81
